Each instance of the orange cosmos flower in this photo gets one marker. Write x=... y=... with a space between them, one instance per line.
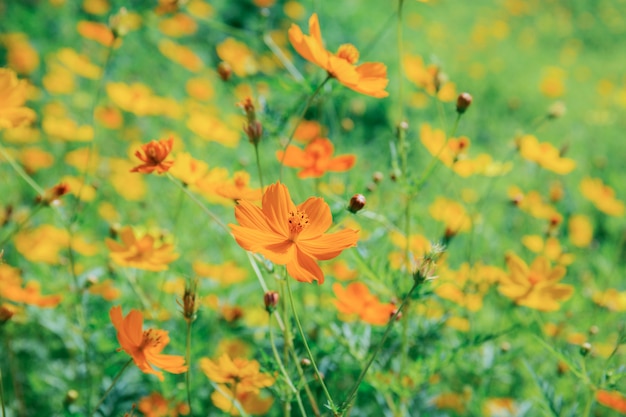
x=244 y=373
x=145 y=346
x=369 y=78
x=290 y=235
x=612 y=399
x=154 y=156
x=357 y=299
x=316 y=159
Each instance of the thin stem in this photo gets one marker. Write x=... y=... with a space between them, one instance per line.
x=108 y=391
x=263 y=284
x=193 y=198
x=282 y=58
x=305 y=384
x=345 y=405
x=287 y=405
x=308 y=350
x=258 y=164
x=300 y=117
x=456 y=125
x=4 y=412
x=188 y=360
x=145 y=302
x=21 y=171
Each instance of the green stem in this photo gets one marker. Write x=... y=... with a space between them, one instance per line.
x=283 y=58
x=456 y=125
x=346 y=404
x=198 y=203
x=300 y=117
x=308 y=349
x=292 y=388
x=108 y=391
x=258 y=164
x=21 y=171
x=4 y=412
x=188 y=360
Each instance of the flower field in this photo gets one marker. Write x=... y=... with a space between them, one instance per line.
x=311 y=208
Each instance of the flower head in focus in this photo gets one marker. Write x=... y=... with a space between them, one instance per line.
x=290 y=235
x=369 y=78
x=154 y=157
x=145 y=346
x=316 y=159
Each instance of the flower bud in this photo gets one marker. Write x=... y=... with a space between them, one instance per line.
x=305 y=362
x=271 y=301
x=119 y=23
x=594 y=330
x=463 y=101
x=357 y=202
x=585 y=348
x=53 y=194
x=224 y=71
x=188 y=302
x=556 y=110
x=71 y=396
x=254 y=130
x=378 y=177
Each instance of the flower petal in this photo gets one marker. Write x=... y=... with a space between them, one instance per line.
x=320 y=218
x=303 y=268
x=276 y=206
x=329 y=246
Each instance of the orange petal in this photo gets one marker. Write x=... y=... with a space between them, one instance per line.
x=330 y=245
x=276 y=206
x=342 y=163
x=319 y=214
x=294 y=157
x=304 y=268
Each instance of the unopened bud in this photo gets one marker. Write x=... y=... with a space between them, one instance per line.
x=305 y=362
x=594 y=330
x=224 y=71
x=357 y=202
x=119 y=23
x=505 y=347
x=71 y=396
x=188 y=302
x=463 y=101
x=585 y=348
x=53 y=194
x=271 y=301
x=254 y=130
x=556 y=110
x=378 y=177
x=398 y=317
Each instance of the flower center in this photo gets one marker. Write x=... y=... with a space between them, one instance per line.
x=534 y=278
x=151 y=338
x=298 y=220
x=348 y=52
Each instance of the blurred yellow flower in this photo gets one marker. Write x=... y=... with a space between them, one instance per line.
x=181 y=55
x=21 y=56
x=550 y=248
x=105 y=289
x=98 y=32
x=97 y=7
x=452 y=214
x=226 y=274
x=155 y=405
x=545 y=155
x=252 y=403
x=200 y=88
x=65 y=129
x=188 y=169
x=536 y=286
x=238 y=56
x=429 y=78
x=610 y=299
x=602 y=196
x=553 y=82
x=141 y=252
x=178 y=25
x=42 y=244
x=13 y=95
x=109 y=117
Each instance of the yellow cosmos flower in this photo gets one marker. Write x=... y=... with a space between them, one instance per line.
x=13 y=94
x=244 y=373
x=140 y=252
x=602 y=196
x=369 y=78
x=545 y=155
x=536 y=286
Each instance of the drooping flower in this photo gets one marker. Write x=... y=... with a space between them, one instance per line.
x=140 y=252
x=316 y=159
x=12 y=98
x=369 y=78
x=145 y=346
x=291 y=235
x=357 y=299
x=536 y=286
x=154 y=156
